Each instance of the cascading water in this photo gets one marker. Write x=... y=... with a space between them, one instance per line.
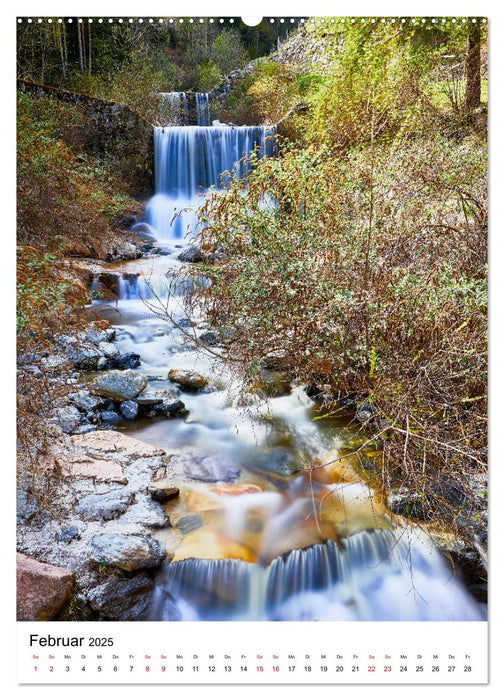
x=203 y=109
x=378 y=575
x=189 y=160
x=279 y=543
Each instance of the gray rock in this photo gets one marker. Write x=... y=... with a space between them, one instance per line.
x=129 y=409
x=26 y=507
x=147 y=513
x=409 y=504
x=105 y=506
x=68 y=418
x=110 y=417
x=128 y=552
x=129 y=360
x=83 y=356
x=54 y=362
x=170 y=409
x=119 y=385
x=162 y=490
x=209 y=467
x=67 y=534
x=123 y=599
x=191 y=254
x=109 y=349
x=85 y=401
x=365 y=412
x=84 y=428
x=209 y=338
x=187 y=378
x=149 y=399
x=95 y=336
x=189 y=523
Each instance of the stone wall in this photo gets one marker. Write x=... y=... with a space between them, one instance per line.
x=114 y=130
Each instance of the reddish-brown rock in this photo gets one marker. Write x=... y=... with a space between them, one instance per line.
x=42 y=589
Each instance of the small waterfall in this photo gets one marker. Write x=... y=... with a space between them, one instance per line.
x=373 y=575
x=111 y=286
x=203 y=109
x=189 y=160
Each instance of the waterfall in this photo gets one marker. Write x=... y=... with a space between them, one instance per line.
x=373 y=575
x=191 y=159
x=203 y=109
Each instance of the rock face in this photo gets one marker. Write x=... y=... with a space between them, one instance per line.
x=42 y=589
x=119 y=385
x=187 y=379
x=128 y=552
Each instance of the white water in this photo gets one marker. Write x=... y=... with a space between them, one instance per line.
x=189 y=160
x=374 y=574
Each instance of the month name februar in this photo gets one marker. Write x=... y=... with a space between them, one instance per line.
x=50 y=641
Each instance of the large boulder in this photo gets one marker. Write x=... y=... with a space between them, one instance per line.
x=128 y=552
x=42 y=589
x=119 y=385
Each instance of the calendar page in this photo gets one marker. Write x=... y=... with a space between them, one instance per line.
x=251 y=349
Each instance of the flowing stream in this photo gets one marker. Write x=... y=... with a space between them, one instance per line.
x=261 y=537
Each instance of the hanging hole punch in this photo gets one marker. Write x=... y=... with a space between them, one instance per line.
x=251 y=21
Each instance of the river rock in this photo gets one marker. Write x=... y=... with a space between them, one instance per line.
x=191 y=254
x=105 y=506
x=128 y=552
x=68 y=418
x=162 y=490
x=272 y=383
x=123 y=599
x=171 y=409
x=83 y=357
x=205 y=467
x=209 y=338
x=129 y=360
x=365 y=412
x=129 y=409
x=109 y=349
x=187 y=379
x=85 y=401
x=119 y=385
x=42 y=589
x=110 y=417
x=407 y=503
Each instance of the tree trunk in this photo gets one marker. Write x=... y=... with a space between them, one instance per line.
x=473 y=68
x=82 y=60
